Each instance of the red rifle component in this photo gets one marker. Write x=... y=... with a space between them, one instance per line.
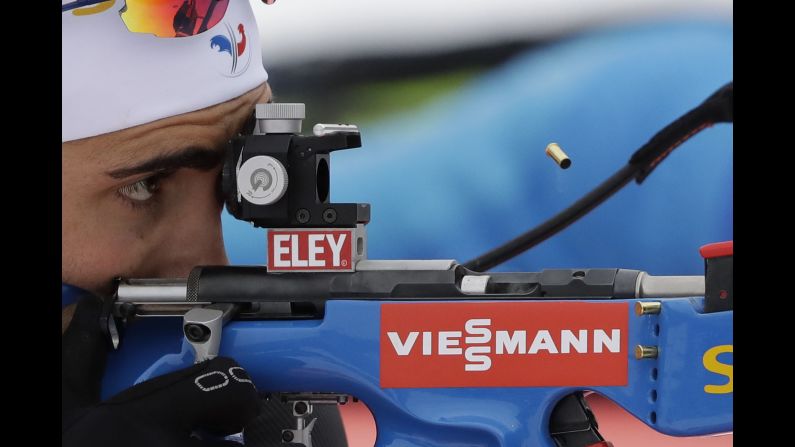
x=717 y=250
x=499 y=344
x=310 y=250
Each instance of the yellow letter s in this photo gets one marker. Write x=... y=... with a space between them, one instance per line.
x=712 y=364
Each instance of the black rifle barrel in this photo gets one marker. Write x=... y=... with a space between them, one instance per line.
x=219 y=284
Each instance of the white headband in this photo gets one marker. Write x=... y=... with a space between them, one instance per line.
x=114 y=79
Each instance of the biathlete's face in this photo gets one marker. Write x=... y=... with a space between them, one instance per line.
x=144 y=202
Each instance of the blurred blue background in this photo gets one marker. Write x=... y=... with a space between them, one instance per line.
x=453 y=158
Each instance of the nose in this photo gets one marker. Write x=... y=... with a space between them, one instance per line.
x=193 y=234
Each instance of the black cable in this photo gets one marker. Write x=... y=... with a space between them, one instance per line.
x=718 y=108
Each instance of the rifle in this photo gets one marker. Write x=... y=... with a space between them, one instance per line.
x=442 y=353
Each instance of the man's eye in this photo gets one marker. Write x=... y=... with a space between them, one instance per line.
x=141 y=190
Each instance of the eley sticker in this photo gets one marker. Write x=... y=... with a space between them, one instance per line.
x=504 y=344
x=313 y=250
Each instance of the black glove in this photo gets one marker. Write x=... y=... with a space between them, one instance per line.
x=215 y=396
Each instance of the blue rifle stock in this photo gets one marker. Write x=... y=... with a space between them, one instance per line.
x=340 y=353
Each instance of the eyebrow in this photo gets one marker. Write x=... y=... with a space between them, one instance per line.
x=201 y=158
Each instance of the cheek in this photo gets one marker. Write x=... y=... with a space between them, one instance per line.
x=104 y=238
x=100 y=240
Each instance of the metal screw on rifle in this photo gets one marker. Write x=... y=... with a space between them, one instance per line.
x=300 y=408
x=646 y=352
x=302 y=215
x=197 y=333
x=288 y=436
x=647 y=308
x=330 y=215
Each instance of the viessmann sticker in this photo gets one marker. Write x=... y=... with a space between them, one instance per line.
x=443 y=345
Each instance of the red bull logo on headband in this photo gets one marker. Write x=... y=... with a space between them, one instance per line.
x=232 y=45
